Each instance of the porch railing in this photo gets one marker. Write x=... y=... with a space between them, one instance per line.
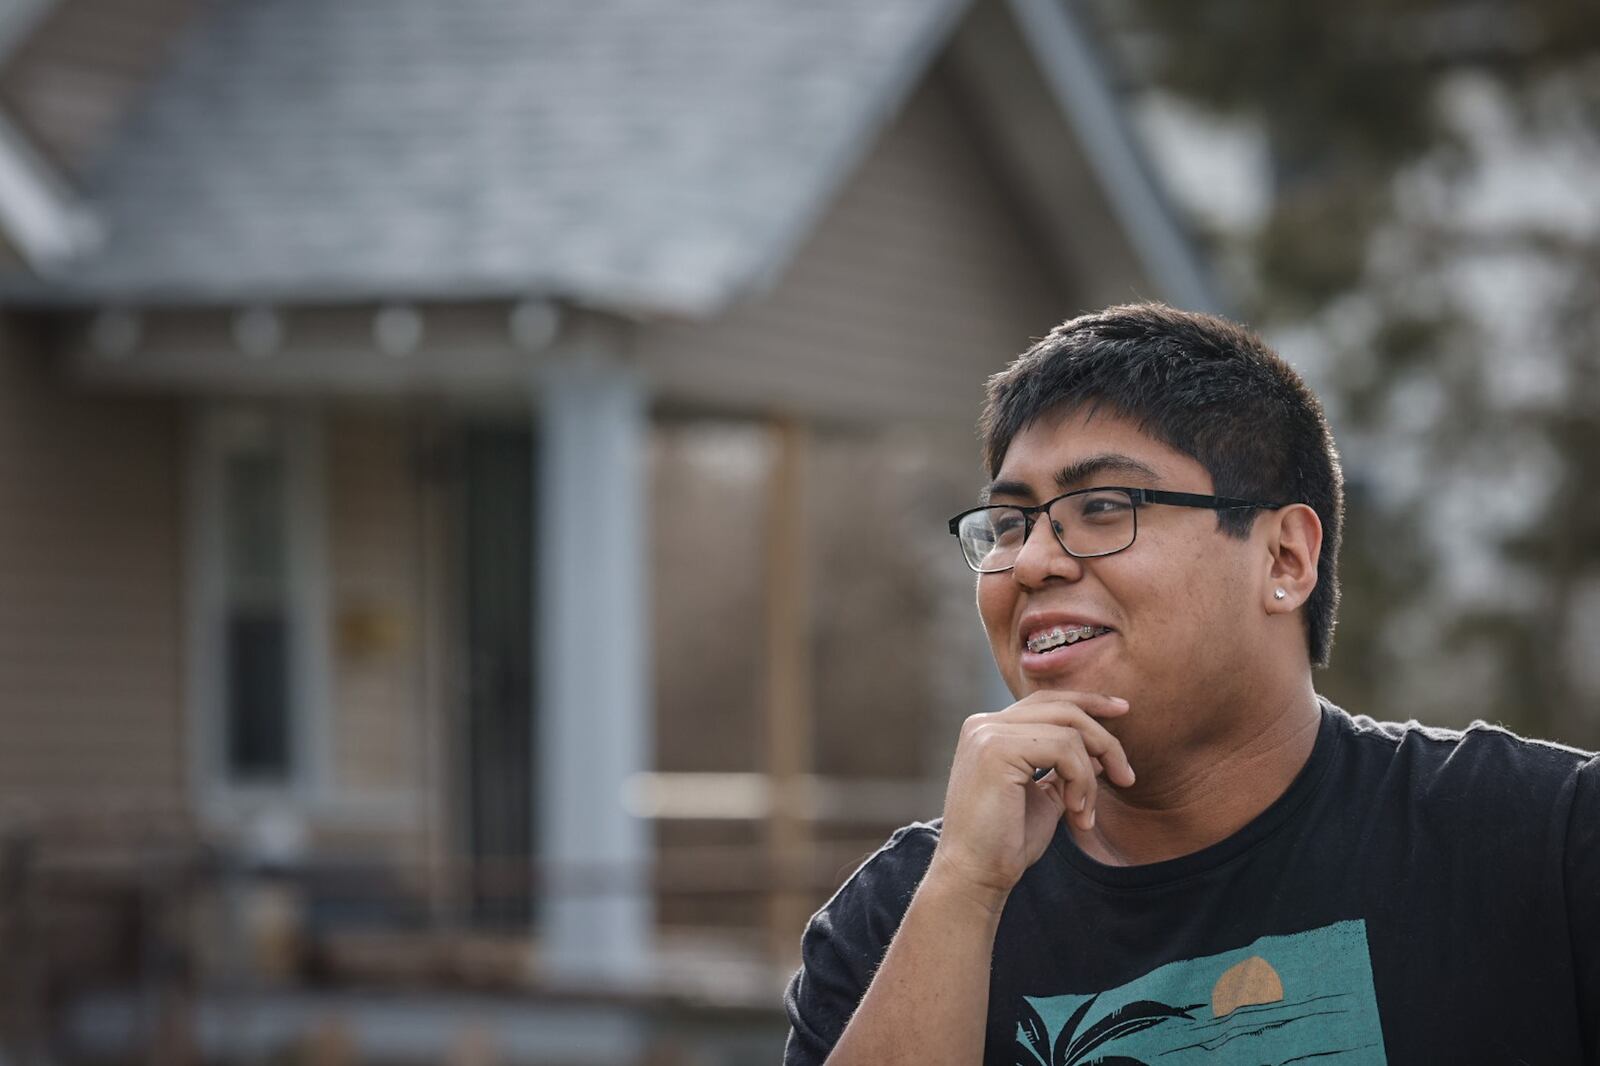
x=176 y=922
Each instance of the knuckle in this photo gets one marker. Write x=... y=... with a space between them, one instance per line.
x=983 y=736
x=1099 y=741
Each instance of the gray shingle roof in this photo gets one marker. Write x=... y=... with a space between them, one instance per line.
x=658 y=154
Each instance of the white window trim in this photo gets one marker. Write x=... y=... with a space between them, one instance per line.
x=220 y=801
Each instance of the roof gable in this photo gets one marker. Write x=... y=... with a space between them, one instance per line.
x=623 y=154
x=618 y=152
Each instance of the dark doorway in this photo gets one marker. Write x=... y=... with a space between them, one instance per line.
x=498 y=491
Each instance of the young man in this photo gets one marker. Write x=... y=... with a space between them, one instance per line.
x=1169 y=849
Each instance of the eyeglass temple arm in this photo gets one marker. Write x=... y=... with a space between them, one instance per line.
x=1191 y=499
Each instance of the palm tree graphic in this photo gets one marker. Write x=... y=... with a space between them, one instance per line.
x=1071 y=1048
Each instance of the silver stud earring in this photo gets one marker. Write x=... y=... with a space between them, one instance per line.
x=1279 y=594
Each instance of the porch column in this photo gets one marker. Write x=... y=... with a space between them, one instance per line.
x=592 y=637
x=789 y=828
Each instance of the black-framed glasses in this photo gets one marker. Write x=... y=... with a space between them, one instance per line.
x=1087 y=523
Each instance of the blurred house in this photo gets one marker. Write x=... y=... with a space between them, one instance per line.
x=335 y=337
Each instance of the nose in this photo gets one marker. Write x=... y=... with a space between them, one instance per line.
x=1042 y=556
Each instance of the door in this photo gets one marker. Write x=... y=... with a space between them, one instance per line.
x=499 y=550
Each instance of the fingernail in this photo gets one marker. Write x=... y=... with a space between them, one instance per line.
x=1082 y=803
x=1119 y=699
x=1091 y=818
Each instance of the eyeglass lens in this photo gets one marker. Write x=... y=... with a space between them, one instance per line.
x=1086 y=524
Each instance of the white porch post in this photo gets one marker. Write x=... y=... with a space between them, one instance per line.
x=592 y=637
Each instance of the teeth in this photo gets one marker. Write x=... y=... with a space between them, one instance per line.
x=1062 y=635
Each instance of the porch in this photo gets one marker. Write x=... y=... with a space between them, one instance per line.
x=378 y=800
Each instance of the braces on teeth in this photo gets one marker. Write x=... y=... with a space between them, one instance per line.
x=1060 y=635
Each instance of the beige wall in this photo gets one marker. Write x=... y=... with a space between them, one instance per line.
x=90 y=629
x=383 y=571
x=92 y=715
x=373 y=564
x=920 y=279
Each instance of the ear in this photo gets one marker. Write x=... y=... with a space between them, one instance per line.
x=1294 y=541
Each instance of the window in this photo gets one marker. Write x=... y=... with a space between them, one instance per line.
x=256 y=612
x=258 y=636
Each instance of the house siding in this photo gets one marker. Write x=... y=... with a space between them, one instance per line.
x=90 y=626
x=919 y=279
x=377 y=596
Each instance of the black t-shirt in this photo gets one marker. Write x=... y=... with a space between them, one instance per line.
x=1416 y=896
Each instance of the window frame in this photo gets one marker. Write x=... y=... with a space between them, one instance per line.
x=218 y=429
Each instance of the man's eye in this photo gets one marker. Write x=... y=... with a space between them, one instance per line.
x=1008 y=528
x=1105 y=508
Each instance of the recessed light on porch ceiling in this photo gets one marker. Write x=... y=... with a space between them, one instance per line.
x=534 y=324
x=397 y=329
x=258 y=331
x=115 y=332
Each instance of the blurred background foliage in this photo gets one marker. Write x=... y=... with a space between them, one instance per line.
x=1421 y=235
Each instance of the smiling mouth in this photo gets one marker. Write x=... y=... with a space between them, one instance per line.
x=1062 y=636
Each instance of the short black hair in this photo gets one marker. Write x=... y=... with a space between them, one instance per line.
x=1204 y=386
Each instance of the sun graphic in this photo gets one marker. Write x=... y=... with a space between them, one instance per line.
x=1245 y=984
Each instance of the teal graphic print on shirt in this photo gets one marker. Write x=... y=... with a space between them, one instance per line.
x=1305 y=997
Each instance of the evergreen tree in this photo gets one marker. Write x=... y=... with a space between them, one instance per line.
x=1431 y=255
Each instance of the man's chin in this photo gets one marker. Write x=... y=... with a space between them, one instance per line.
x=1084 y=678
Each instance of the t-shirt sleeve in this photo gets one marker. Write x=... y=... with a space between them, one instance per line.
x=845 y=942
x=1583 y=902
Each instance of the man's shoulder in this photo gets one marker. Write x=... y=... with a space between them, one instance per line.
x=903 y=857
x=870 y=904
x=1481 y=757
x=1479 y=738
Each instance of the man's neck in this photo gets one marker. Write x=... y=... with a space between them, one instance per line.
x=1206 y=795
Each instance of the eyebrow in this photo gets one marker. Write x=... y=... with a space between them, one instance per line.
x=1074 y=474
